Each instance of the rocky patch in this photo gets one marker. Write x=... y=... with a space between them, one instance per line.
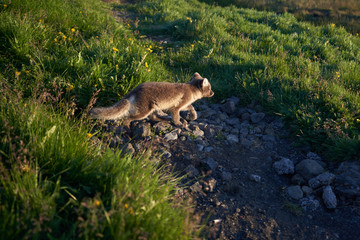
x=245 y=177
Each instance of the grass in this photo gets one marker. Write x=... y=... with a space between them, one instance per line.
x=56 y=181
x=307 y=74
x=320 y=12
x=58 y=57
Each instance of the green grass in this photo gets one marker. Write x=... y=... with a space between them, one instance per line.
x=319 y=12
x=57 y=57
x=56 y=181
x=306 y=74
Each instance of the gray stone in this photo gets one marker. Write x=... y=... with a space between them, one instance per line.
x=210 y=163
x=284 y=166
x=232 y=138
x=347 y=183
x=269 y=138
x=128 y=149
x=171 y=136
x=257 y=117
x=309 y=203
x=208 y=149
x=206 y=113
x=209 y=132
x=313 y=156
x=297 y=179
x=245 y=116
x=306 y=190
x=232 y=121
x=295 y=192
x=142 y=130
x=161 y=127
x=200 y=147
x=309 y=168
x=226 y=176
x=329 y=197
x=166 y=154
x=222 y=116
x=244 y=131
x=255 y=178
x=228 y=107
x=191 y=171
x=323 y=179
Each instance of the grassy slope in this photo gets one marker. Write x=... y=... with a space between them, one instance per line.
x=309 y=75
x=54 y=182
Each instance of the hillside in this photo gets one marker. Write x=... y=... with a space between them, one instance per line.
x=58 y=176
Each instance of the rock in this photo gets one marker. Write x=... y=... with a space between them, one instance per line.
x=347 y=183
x=196 y=187
x=206 y=113
x=171 y=136
x=222 y=116
x=209 y=131
x=313 y=156
x=309 y=203
x=325 y=178
x=297 y=179
x=208 y=149
x=269 y=138
x=232 y=138
x=226 y=176
x=197 y=132
x=244 y=131
x=210 y=163
x=128 y=149
x=166 y=154
x=306 y=190
x=257 y=117
x=142 y=130
x=161 y=127
x=245 y=116
x=233 y=121
x=255 y=178
x=284 y=166
x=309 y=168
x=329 y=197
x=228 y=107
x=200 y=147
x=295 y=192
x=191 y=171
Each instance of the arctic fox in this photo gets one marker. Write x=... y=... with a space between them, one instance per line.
x=149 y=98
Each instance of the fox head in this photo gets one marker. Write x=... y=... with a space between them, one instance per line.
x=202 y=84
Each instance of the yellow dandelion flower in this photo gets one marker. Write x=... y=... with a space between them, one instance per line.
x=80 y=11
x=337 y=74
x=69 y=39
x=149 y=70
x=97 y=203
x=5 y=5
x=64 y=37
x=27 y=71
x=40 y=20
x=130 y=39
x=97 y=36
x=70 y=87
x=17 y=74
x=55 y=40
x=59 y=33
x=89 y=135
x=126 y=205
x=95 y=85
x=131 y=211
x=87 y=46
x=357 y=120
x=73 y=30
x=333 y=25
x=25 y=168
x=146 y=65
x=115 y=49
x=43 y=26
x=192 y=45
x=25 y=105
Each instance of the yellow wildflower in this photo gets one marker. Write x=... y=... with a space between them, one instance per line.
x=126 y=205
x=130 y=39
x=25 y=168
x=59 y=33
x=80 y=11
x=192 y=45
x=27 y=71
x=337 y=74
x=64 y=37
x=87 y=46
x=69 y=39
x=70 y=87
x=333 y=25
x=55 y=40
x=73 y=30
x=40 y=20
x=115 y=49
x=17 y=74
x=189 y=19
x=146 y=65
x=5 y=5
x=89 y=135
x=25 y=105
x=131 y=211
x=358 y=120
x=97 y=203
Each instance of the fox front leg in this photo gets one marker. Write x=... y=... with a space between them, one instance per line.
x=192 y=111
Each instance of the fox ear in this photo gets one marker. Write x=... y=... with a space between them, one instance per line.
x=205 y=83
x=196 y=75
